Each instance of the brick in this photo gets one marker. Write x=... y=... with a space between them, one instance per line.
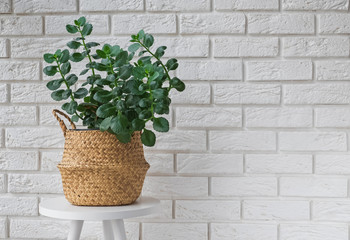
x=19 y=206
x=3 y=48
x=155 y=23
x=44 y=6
x=284 y=23
x=333 y=70
x=3 y=227
x=245 y=47
x=210 y=163
x=17 y=115
x=2 y=183
x=175 y=186
x=332 y=117
x=208 y=117
x=312 y=141
x=334 y=23
x=160 y=163
x=19 y=70
x=195 y=93
x=18 y=160
x=34 y=183
x=246 y=93
x=313 y=186
x=161 y=231
x=42 y=137
x=243 y=186
x=3 y=93
x=5 y=6
x=165 y=212
x=279 y=70
x=276 y=210
x=181 y=140
x=205 y=70
x=212 y=23
x=178 y=6
x=331 y=210
x=23 y=25
x=246 y=5
x=50 y=160
x=46 y=116
x=316 y=47
x=278 y=163
x=114 y=5
x=288 y=117
x=183 y=46
x=208 y=210
x=315 y=5
x=313 y=231
x=56 y=25
x=35 y=47
x=242 y=141
x=229 y=231
x=317 y=94
x=332 y=164
x=30 y=93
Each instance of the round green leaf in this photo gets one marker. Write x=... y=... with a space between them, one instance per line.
x=73 y=44
x=145 y=114
x=64 y=56
x=106 y=110
x=84 y=71
x=66 y=93
x=54 y=84
x=81 y=21
x=71 y=79
x=107 y=48
x=105 y=124
x=49 y=58
x=50 y=70
x=77 y=57
x=160 y=51
x=120 y=124
x=87 y=29
x=148 y=40
x=65 y=68
x=70 y=107
x=75 y=118
x=138 y=72
x=71 y=28
x=134 y=47
x=161 y=124
x=172 y=64
x=103 y=96
x=101 y=53
x=80 y=93
x=91 y=44
x=57 y=95
x=148 y=138
x=137 y=124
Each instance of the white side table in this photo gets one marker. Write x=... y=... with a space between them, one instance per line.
x=111 y=217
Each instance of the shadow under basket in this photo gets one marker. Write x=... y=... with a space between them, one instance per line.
x=98 y=170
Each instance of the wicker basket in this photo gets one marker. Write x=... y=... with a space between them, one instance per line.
x=98 y=170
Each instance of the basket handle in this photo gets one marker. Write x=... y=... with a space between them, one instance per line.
x=63 y=126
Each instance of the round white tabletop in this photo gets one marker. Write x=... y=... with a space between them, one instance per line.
x=62 y=209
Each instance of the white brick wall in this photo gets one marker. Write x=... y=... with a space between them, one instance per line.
x=259 y=145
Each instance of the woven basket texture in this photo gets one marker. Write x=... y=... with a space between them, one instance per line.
x=98 y=170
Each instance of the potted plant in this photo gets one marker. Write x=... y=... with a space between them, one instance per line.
x=121 y=94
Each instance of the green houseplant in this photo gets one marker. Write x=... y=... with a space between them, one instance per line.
x=120 y=94
x=121 y=90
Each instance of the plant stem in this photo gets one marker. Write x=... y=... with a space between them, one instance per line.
x=161 y=63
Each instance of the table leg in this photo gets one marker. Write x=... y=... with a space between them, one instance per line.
x=75 y=229
x=118 y=229
x=107 y=230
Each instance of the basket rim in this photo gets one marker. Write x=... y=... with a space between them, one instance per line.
x=103 y=166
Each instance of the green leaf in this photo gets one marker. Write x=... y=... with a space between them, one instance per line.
x=101 y=53
x=80 y=93
x=49 y=58
x=138 y=72
x=50 y=70
x=125 y=72
x=120 y=124
x=70 y=107
x=145 y=102
x=115 y=50
x=71 y=28
x=66 y=94
x=81 y=21
x=161 y=124
x=91 y=44
x=124 y=138
x=141 y=34
x=73 y=44
x=111 y=78
x=106 y=110
x=159 y=93
x=153 y=77
x=84 y=71
x=148 y=138
x=65 y=68
x=107 y=48
x=103 y=96
x=54 y=84
x=64 y=57
x=105 y=124
x=145 y=114
x=137 y=124
x=57 y=95
x=177 y=84
x=172 y=64
x=87 y=29
x=75 y=118
x=121 y=59
x=77 y=57
x=134 y=47
x=160 y=51
x=148 y=40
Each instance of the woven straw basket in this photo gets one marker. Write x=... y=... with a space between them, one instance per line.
x=98 y=170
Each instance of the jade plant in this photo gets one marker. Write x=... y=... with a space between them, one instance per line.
x=122 y=89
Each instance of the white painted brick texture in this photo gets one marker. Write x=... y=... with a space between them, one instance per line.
x=259 y=142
